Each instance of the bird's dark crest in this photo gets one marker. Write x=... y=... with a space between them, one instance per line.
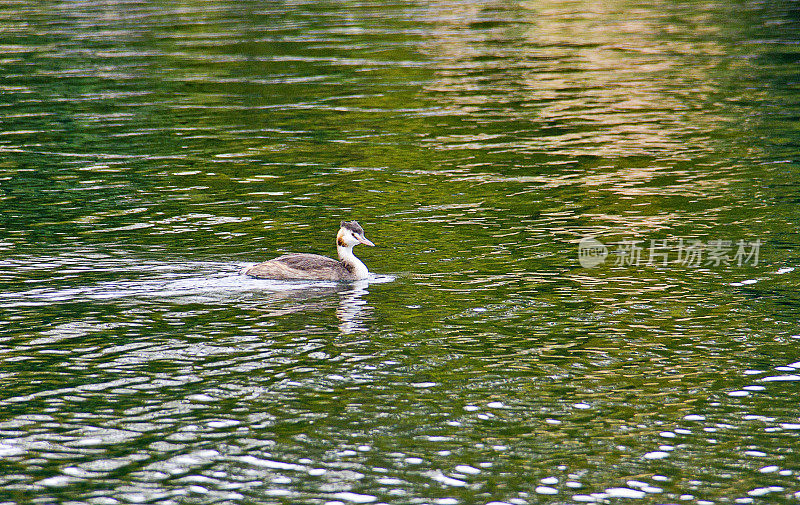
x=352 y=226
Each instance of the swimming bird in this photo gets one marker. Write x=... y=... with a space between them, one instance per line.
x=315 y=267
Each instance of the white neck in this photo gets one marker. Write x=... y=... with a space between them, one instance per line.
x=346 y=256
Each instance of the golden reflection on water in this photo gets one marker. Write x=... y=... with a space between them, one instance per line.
x=640 y=94
x=640 y=82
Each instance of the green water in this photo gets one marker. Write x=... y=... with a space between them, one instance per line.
x=150 y=150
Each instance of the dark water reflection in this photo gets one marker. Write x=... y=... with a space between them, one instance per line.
x=148 y=151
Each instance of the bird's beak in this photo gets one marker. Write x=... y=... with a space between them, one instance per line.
x=365 y=241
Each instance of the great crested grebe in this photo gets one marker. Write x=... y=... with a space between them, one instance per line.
x=315 y=267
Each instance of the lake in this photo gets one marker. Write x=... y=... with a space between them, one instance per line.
x=584 y=287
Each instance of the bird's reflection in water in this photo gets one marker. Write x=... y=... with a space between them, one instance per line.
x=353 y=309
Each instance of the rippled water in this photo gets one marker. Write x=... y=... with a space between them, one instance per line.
x=149 y=151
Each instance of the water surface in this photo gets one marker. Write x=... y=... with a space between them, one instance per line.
x=149 y=151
